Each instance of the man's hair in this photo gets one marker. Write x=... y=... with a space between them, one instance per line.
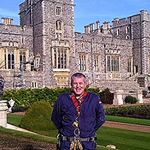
x=78 y=75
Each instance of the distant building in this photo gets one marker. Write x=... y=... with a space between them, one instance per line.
x=44 y=51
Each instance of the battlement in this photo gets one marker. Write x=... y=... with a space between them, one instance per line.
x=134 y=18
x=105 y=28
x=145 y=15
x=120 y=22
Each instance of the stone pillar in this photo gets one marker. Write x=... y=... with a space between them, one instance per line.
x=3 y=113
x=118 y=100
x=139 y=96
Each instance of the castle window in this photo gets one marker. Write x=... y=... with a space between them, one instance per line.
x=58 y=29
x=82 y=62
x=23 y=40
x=58 y=36
x=149 y=64
x=22 y=57
x=9 y=60
x=127 y=30
x=96 y=63
x=58 y=11
x=127 y=37
x=58 y=25
x=62 y=80
x=108 y=63
x=112 y=63
x=37 y=62
x=117 y=31
x=34 y=85
x=60 y=58
x=129 y=64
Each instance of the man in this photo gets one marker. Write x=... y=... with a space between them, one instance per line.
x=77 y=116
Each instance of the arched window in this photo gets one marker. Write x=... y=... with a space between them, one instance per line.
x=117 y=31
x=58 y=25
x=59 y=31
x=127 y=29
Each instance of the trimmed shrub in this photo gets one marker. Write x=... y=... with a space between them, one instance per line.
x=106 y=96
x=139 y=111
x=38 y=117
x=130 y=99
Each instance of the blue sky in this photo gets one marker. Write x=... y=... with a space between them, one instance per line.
x=86 y=11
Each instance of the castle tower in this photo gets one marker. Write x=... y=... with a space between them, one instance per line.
x=53 y=34
x=136 y=27
x=145 y=40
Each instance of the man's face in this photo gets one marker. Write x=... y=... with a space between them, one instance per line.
x=78 y=86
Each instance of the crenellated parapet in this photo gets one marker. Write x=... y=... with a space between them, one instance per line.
x=105 y=28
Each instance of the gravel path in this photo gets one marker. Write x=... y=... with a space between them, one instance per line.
x=127 y=126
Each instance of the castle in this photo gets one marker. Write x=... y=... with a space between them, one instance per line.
x=44 y=50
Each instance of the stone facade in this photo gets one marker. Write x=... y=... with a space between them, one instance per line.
x=114 y=56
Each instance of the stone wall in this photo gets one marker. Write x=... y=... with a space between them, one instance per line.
x=126 y=37
x=15 y=33
x=103 y=45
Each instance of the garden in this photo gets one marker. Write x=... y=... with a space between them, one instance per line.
x=38 y=104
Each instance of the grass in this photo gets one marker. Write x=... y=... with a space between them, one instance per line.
x=122 y=139
x=128 y=120
x=38 y=137
x=14 y=119
x=35 y=137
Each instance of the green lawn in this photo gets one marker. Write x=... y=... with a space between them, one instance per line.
x=14 y=119
x=38 y=137
x=122 y=139
x=128 y=120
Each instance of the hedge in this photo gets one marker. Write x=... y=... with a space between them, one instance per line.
x=140 y=111
x=26 y=97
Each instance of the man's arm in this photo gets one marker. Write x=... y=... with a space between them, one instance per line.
x=56 y=115
x=100 y=115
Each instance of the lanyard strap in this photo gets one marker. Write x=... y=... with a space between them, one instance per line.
x=76 y=104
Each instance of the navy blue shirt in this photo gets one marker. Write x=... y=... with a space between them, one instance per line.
x=91 y=119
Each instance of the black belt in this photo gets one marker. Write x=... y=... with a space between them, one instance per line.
x=70 y=139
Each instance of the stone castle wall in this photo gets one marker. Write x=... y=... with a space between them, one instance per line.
x=38 y=28
x=103 y=45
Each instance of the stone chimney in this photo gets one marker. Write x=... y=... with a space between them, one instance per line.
x=98 y=25
x=91 y=27
x=86 y=29
x=106 y=27
x=8 y=21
